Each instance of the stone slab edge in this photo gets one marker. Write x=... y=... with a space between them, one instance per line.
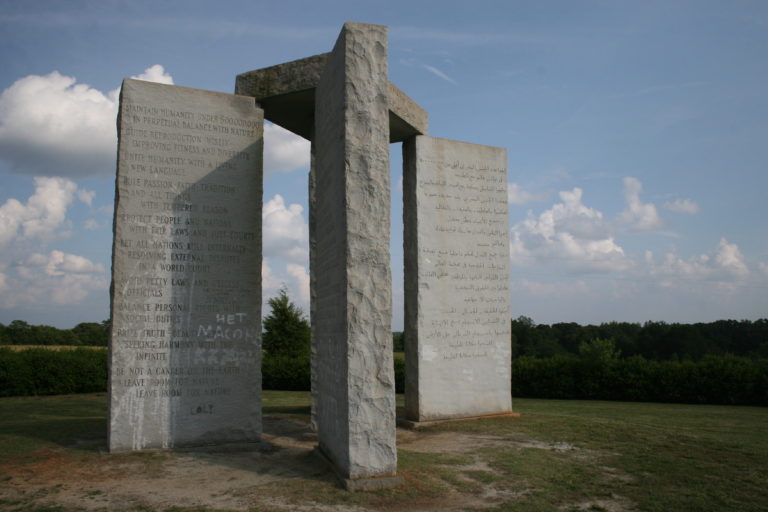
x=416 y=425
x=304 y=74
x=358 y=484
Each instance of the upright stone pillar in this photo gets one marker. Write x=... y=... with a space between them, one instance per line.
x=312 y=288
x=457 y=323
x=355 y=400
x=185 y=346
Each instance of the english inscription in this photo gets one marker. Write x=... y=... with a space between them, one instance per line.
x=185 y=356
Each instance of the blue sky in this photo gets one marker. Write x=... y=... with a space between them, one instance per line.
x=637 y=135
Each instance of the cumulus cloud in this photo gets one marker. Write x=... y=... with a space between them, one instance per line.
x=283 y=150
x=518 y=196
x=286 y=234
x=570 y=234
x=58 y=263
x=42 y=215
x=53 y=125
x=155 y=73
x=724 y=265
x=301 y=276
x=56 y=278
x=86 y=196
x=729 y=258
x=640 y=216
x=270 y=284
x=294 y=278
x=763 y=266
x=682 y=206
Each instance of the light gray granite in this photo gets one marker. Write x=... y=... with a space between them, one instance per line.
x=355 y=399
x=186 y=269
x=456 y=251
x=286 y=92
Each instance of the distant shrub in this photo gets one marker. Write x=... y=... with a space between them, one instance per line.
x=399 y=374
x=49 y=372
x=287 y=373
x=724 y=380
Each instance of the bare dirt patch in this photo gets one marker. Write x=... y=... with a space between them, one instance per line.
x=279 y=474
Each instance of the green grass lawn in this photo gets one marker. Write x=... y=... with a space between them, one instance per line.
x=560 y=455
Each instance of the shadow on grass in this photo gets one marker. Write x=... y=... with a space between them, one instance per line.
x=87 y=434
x=71 y=421
x=293 y=410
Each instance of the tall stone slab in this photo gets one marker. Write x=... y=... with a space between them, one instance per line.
x=355 y=399
x=456 y=251
x=186 y=269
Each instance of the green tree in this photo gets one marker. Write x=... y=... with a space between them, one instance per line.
x=599 y=350
x=20 y=333
x=286 y=330
x=91 y=334
x=398 y=341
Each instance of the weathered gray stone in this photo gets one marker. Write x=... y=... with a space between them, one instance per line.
x=286 y=92
x=457 y=332
x=355 y=400
x=186 y=269
x=312 y=214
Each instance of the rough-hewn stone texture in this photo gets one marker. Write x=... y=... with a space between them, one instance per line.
x=186 y=269
x=355 y=379
x=286 y=92
x=312 y=214
x=456 y=251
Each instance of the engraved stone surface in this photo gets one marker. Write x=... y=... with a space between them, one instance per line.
x=456 y=251
x=355 y=378
x=186 y=269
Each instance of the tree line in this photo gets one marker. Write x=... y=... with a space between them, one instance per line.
x=88 y=334
x=286 y=332
x=656 y=341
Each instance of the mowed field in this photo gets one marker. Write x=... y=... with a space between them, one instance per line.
x=560 y=455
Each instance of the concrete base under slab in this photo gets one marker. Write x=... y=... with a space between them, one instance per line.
x=415 y=425
x=360 y=484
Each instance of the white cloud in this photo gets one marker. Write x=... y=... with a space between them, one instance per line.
x=52 y=125
x=763 y=266
x=725 y=265
x=438 y=73
x=730 y=259
x=58 y=263
x=56 y=278
x=682 y=206
x=155 y=73
x=640 y=216
x=91 y=224
x=539 y=289
x=86 y=196
x=270 y=284
x=107 y=209
x=300 y=274
x=569 y=234
x=44 y=212
x=286 y=235
x=283 y=150
x=516 y=195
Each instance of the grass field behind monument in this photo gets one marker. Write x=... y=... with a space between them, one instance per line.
x=560 y=455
